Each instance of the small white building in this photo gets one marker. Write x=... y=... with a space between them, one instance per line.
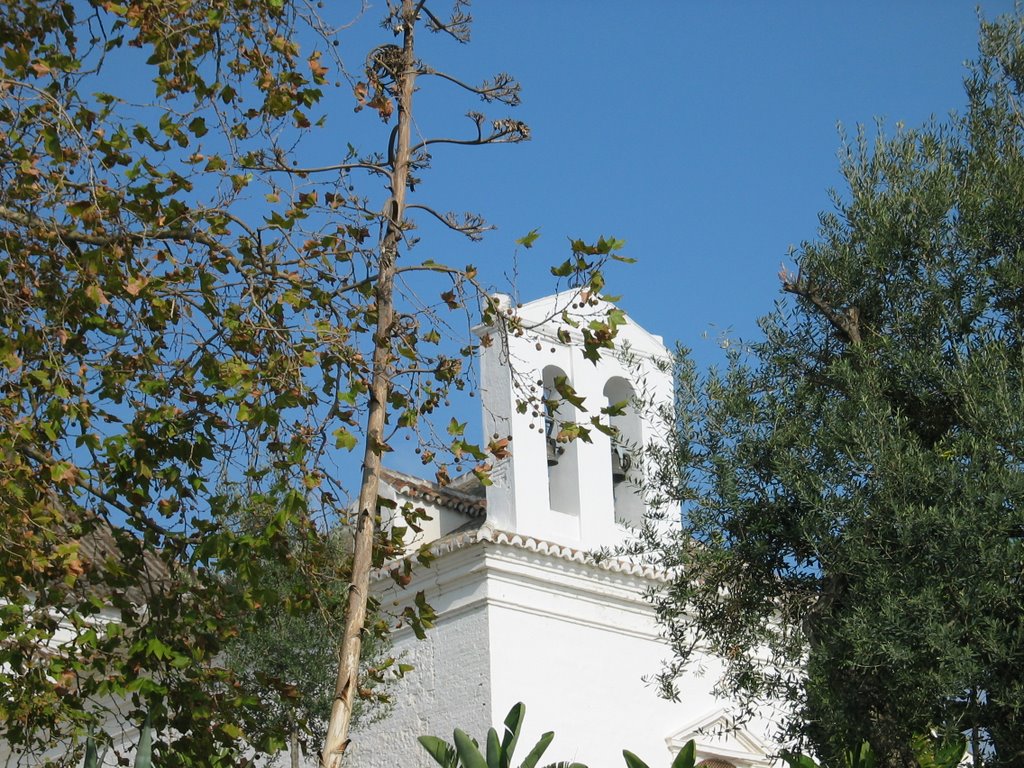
x=524 y=613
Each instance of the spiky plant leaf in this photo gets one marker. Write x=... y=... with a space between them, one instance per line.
x=687 y=756
x=469 y=752
x=513 y=723
x=493 y=749
x=442 y=752
x=91 y=758
x=538 y=750
x=144 y=756
x=799 y=761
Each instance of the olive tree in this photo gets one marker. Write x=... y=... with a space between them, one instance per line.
x=852 y=482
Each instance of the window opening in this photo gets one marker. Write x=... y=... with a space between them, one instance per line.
x=554 y=450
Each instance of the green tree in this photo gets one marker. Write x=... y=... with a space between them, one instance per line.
x=852 y=483
x=200 y=278
x=285 y=652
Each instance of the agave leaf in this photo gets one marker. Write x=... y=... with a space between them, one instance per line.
x=513 y=723
x=565 y=764
x=799 y=761
x=687 y=756
x=538 y=750
x=439 y=749
x=469 y=752
x=144 y=755
x=951 y=753
x=632 y=760
x=932 y=754
x=91 y=758
x=863 y=757
x=493 y=749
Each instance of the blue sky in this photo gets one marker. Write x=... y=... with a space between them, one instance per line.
x=702 y=133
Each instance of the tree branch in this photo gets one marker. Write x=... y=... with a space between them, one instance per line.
x=505 y=132
x=473 y=227
x=846 y=321
x=372 y=167
x=64 y=232
x=504 y=88
x=81 y=482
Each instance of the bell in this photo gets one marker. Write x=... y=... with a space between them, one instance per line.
x=554 y=451
x=621 y=462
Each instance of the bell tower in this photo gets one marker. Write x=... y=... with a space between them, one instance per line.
x=522 y=612
x=581 y=493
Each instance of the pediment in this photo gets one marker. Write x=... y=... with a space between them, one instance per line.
x=718 y=738
x=548 y=310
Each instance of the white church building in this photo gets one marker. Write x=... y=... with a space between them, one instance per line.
x=524 y=613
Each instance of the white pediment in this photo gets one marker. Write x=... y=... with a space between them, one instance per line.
x=545 y=313
x=717 y=737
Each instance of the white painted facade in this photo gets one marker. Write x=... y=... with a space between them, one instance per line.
x=524 y=613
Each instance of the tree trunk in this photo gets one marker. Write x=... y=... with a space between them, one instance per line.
x=383 y=362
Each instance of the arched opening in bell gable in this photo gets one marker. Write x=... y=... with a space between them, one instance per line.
x=624 y=456
x=562 y=454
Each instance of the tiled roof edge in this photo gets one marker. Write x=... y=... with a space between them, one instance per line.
x=431 y=492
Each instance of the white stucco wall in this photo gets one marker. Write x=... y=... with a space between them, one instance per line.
x=450 y=685
x=574 y=642
x=526 y=620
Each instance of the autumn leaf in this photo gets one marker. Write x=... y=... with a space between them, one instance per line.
x=319 y=70
x=135 y=285
x=95 y=293
x=63 y=472
x=361 y=91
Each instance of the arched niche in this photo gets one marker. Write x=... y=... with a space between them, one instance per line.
x=562 y=457
x=624 y=457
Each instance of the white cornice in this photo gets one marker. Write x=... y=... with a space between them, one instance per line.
x=520 y=573
x=551 y=549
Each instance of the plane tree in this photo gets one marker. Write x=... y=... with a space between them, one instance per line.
x=206 y=288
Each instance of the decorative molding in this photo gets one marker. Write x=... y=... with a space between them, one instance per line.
x=485 y=533
x=735 y=744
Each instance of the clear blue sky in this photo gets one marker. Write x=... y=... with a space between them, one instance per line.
x=702 y=133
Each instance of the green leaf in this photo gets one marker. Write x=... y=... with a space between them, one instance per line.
x=439 y=749
x=528 y=239
x=687 y=756
x=198 y=126
x=144 y=756
x=493 y=749
x=469 y=752
x=91 y=757
x=563 y=270
x=51 y=142
x=632 y=760
x=513 y=724
x=538 y=750
x=344 y=439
